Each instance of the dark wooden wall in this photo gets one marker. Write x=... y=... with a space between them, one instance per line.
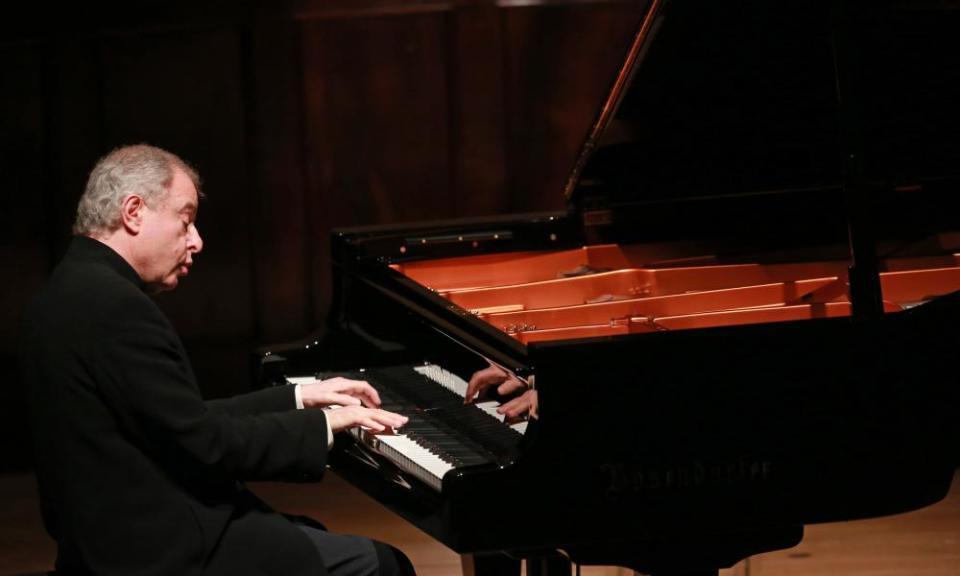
x=299 y=118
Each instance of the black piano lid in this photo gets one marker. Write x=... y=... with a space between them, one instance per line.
x=720 y=102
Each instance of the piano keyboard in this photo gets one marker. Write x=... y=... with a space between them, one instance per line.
x=458 y=385
x=442 y=433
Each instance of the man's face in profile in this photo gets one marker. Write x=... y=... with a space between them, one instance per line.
x=169 y=237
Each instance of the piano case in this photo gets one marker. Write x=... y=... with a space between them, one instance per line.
x=743 y=323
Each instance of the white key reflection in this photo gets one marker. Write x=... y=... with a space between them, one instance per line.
x=444 y=377
x=451 y=381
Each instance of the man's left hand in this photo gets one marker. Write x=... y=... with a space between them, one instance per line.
x=339 y=391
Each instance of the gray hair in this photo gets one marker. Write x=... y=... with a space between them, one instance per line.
x=144 y=170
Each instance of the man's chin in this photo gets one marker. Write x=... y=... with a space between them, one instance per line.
x=164 y=285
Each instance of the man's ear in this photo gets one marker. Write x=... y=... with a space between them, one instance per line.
x=131 y=213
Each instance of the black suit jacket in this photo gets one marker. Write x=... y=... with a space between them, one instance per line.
x=137 y=474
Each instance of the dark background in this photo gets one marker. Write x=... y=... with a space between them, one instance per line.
x=299 y=116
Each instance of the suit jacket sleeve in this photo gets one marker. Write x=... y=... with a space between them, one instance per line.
x=273 y=399
x=145 y=377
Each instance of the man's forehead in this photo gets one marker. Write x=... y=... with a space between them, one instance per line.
x=181 y=201
x=183 y=193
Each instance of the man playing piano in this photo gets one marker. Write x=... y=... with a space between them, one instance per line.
x=137 y=474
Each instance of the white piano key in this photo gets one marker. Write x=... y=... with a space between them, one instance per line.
x=443 y=377
x=433 y=463
x=411 y=457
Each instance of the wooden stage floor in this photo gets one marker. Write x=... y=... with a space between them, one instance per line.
x=921 y=543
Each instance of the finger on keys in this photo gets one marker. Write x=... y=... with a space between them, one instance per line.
x=360 y=388
x=367 y=393
x=393 y=419
x=388 y=420
x=373 y=399
x=483 y=379
x=524 y=405
x=373 y=425
x=343 y=399
x=510 y=386
x=515 y=407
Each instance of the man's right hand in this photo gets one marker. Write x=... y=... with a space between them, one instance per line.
x=375 y=419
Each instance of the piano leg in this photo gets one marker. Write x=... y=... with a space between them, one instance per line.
x=556 y=565
x=503 y=565
x=497 y=564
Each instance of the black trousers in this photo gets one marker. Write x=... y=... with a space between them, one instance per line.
x=341 y=554
x=347 y=555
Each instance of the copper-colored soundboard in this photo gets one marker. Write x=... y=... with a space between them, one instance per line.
x=606 y=290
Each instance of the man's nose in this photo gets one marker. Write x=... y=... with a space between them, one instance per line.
x=195 y=242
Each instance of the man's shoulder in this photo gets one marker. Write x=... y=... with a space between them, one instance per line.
x=96 y=276
x=90 y=289
x=79 y=306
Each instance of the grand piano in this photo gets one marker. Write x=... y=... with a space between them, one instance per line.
x=743 y=323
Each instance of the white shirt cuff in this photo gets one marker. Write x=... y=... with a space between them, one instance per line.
x=299 y=399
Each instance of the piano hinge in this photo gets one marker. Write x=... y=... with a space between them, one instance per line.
x=517 y=328
x=651 y=322
x=459 y=311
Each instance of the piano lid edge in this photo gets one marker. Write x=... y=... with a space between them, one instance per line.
x=455 y=237
x=447 y=318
